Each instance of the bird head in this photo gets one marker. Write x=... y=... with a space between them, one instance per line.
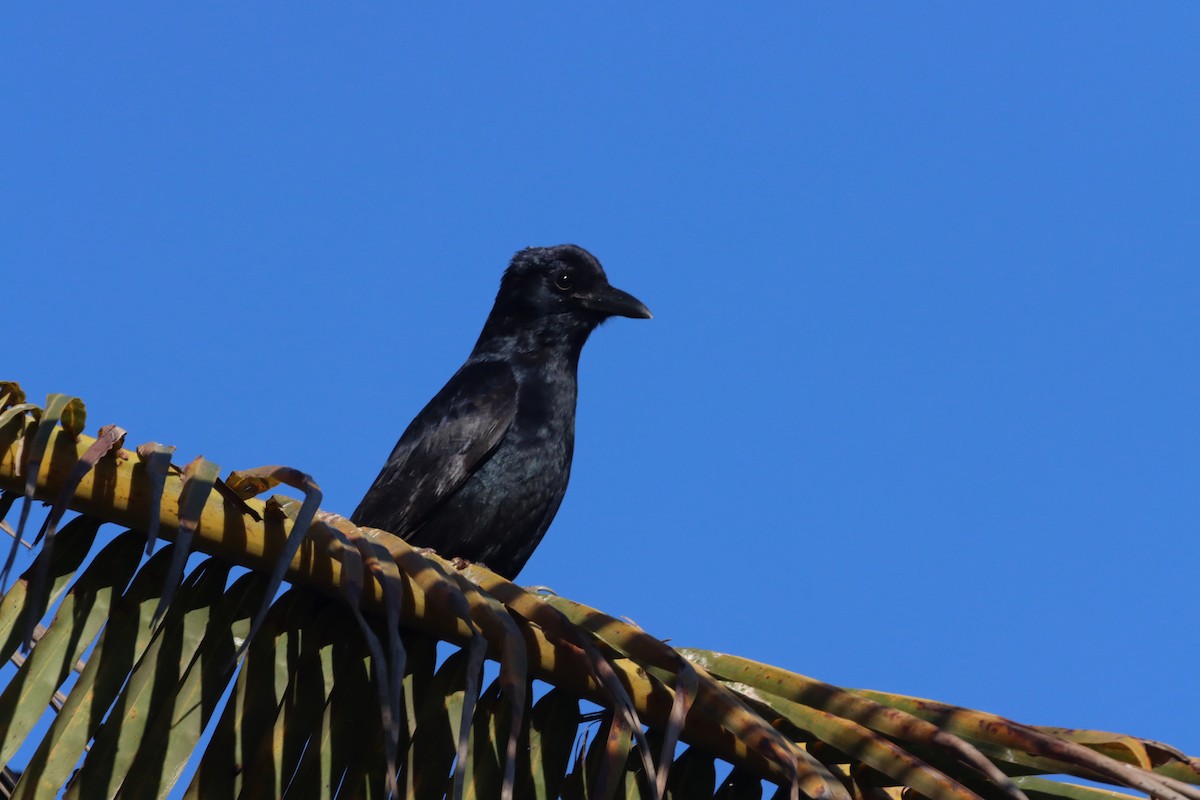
x=559 y=292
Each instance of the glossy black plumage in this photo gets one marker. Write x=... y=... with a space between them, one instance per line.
x=481 y=471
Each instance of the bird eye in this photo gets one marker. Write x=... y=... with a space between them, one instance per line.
x=562 y=281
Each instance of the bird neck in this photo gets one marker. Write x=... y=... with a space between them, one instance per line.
x=547 y=337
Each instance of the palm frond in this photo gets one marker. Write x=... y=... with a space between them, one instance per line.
x=341 y=688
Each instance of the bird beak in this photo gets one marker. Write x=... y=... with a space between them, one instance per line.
x=613 y=302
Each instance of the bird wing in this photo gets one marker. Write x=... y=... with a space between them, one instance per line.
x=443 y=446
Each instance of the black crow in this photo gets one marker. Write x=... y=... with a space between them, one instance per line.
x=481 y=471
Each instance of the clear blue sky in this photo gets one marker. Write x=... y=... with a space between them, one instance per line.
x=918 y=407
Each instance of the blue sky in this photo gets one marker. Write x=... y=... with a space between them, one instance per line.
x=917 y=409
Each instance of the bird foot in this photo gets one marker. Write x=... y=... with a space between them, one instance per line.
x=460 y=563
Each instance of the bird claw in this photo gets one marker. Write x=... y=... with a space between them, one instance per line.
x=458 y=563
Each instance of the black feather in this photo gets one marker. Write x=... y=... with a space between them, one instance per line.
x=481 y=471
